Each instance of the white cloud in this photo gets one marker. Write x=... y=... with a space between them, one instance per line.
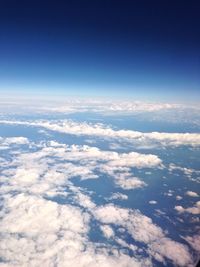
x=54 y=164
x=33 y=225
x=107 y=231
x=187 y=171
x=194 y=241
x=193 y=210
x=191 y=194
x=179 y=208
x=118 y=196
x=136 y=137
x=153 y=202
x=37 y=231
x=129 y=182
x=16 y=140
x=6 y=142
x=142 y=229
x=84 y=200
x=72 y=105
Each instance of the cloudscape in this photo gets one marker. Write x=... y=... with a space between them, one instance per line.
x=99 y=133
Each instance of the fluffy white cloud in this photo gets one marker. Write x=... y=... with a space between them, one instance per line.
x=107 y=231
x=129 y=182
x=187 y=171
x=16 y=140
x=118 y=196
x=153 y=202
x=191 y=194
x=138 y=138
x=37 y=231
x=6 y=142
x=194 y=241
x=193 y=210
x=142 y=229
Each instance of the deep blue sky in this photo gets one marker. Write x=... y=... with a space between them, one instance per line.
x=147 y=49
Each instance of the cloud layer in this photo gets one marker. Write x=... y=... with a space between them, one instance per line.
x=47 y=219
x=100 y=130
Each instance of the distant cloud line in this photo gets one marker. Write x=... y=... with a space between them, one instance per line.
x=100 y=130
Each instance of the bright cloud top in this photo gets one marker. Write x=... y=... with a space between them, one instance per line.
x=38 y=230
x=102 y=204
x=100 y=130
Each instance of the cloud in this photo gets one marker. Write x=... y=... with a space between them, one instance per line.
x=143 y=230
x=34 y=224
x=191 y=194
x=153 y=202
x=7 y=141
x=100 y=130
x=118 y=196
x=107 y=231
x=36 y=232
x=129 y=183
x=68 y=106
x=37 y=228
x=194 y=241
x=187 y=171
x=52 y=164
x=193 y=210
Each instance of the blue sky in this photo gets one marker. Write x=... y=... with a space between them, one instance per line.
x=132 y=50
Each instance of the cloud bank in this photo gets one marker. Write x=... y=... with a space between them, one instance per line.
x=100 y=130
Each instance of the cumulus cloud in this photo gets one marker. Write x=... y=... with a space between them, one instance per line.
x=153 y=202
x=193 y=210
x=107 y=231
x=118 y=196
x=7 y=141
x=187 y=171
x=54 y=164
x=143 y=230
x=136 y=137
x=32 y=226
x=194 y=241
x=129 y=182
x=37 y=229
x=36 y=232
x=191 y=194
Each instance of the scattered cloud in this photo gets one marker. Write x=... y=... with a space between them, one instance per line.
x=107 y=231
x=178 y=197
x=192 y=194
x=194 y=241
x=153 y=202
x=193 y=210
x=142 y=229
x=37 y=228
x=118 y=196
x=136 y=137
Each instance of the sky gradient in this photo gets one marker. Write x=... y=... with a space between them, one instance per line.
x=141 y=49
